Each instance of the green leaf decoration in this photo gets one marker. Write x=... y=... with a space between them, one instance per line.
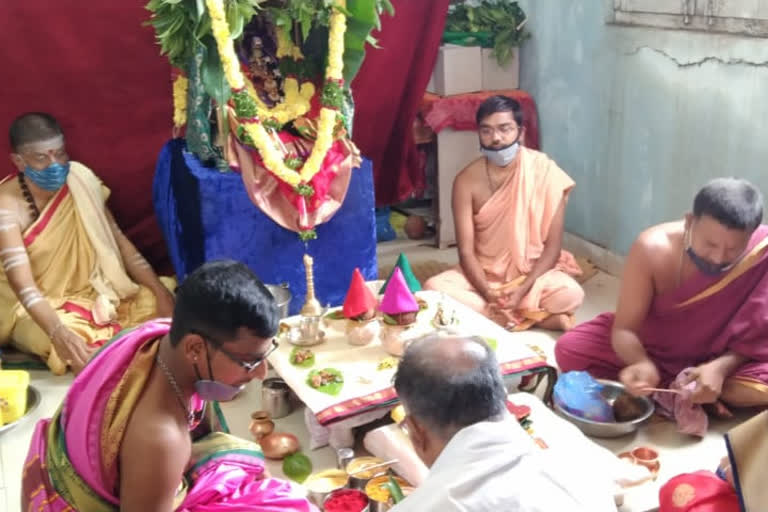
x=388 y=319
x=332 y=96
x=175 y=23
x=491 y=343
x=245 y=107
x=307 y=363
x=213 y=75
x=332 y=388
x=363 y=18
x=337 y=314
x=491 y=24
x=307 y=235
x=234 y=20
x=303 y=189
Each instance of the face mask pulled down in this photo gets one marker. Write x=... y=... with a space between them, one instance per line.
x=501 y=157
x=213 y=390
x=707 y=267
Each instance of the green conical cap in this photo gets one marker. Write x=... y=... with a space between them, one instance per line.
x=405 y=268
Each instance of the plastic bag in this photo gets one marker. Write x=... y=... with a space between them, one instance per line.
x=581 y=395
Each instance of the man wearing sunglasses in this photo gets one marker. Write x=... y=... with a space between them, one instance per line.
x=140 y=428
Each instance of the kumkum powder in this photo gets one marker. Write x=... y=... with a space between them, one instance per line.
x=346 y=500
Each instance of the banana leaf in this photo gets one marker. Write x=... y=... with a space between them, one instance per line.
x=212 y=73
x=363 y=17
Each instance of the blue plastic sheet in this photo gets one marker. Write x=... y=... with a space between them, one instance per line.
x=581 y=395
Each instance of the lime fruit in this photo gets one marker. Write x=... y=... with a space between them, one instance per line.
x=297 y=467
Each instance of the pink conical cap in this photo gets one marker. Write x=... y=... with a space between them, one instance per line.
x=397 y=297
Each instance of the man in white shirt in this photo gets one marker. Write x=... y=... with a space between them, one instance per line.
x=479 y=456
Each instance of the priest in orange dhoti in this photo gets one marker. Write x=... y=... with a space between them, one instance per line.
x=509 y=211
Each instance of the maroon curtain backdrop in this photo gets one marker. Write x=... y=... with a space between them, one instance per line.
x=388 y=92
x=98 y=71
x=94 y=67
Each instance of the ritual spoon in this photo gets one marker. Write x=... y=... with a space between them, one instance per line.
x=659 y=390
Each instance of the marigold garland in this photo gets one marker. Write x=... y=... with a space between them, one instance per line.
x=297 y=101
x=286 y=47
x=220 y=28
x=272 y=158
x=180 y=86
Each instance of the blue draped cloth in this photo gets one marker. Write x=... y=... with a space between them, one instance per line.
x=206 y=215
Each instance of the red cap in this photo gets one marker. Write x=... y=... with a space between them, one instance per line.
x=701 y=491
x=360 y=299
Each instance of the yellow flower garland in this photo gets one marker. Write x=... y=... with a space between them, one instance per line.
x=272 y=158
x=296 y=103
x=337 y=28
x=286 y=47
x=180 y=101
x=220 y=28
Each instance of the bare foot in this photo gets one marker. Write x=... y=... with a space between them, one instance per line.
x=562 y=322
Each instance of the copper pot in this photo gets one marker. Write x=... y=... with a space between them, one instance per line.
x=261 y=425
x=279 y=445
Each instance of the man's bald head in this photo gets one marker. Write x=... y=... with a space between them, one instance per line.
x=450 y=383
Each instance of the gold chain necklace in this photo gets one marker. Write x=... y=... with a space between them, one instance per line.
x=177 y=390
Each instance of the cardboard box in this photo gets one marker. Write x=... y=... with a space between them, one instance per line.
x=431 y=85
x=458 y=70
x=455 y=150
x=494 y=77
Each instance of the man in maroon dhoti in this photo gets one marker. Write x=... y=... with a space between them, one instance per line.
x=694 y=295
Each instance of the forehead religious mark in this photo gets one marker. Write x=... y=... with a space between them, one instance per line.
x=43 y=146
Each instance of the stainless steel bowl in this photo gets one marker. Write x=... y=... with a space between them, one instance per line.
x=282 y=295
x=611 y=391
x=318 y=497
x=360 y=480
x=33 y=400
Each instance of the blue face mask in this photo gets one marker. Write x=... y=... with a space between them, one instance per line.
x=52 y=178
x=707 y=267
x=501 y=157
x=213 y=390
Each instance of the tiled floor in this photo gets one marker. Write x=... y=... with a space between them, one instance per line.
x=678 y=453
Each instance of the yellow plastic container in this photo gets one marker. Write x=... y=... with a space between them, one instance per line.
x=13 y=395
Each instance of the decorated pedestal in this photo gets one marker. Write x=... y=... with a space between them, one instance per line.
x=205 y=215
